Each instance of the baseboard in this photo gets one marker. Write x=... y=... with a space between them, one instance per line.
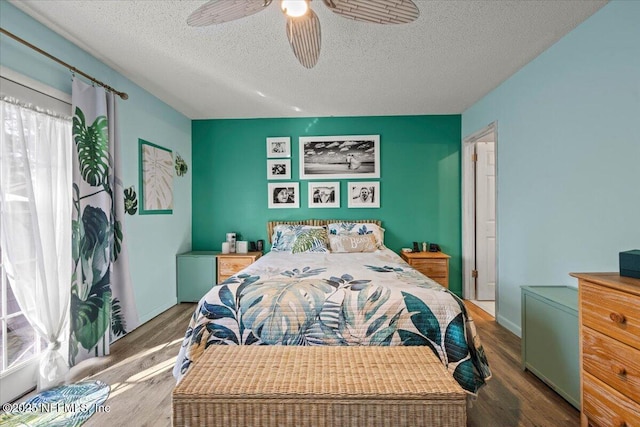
x=144 y=318
x=512 y=327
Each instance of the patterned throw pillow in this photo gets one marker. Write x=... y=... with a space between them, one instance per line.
x=351 y=228
x=353 y=243
x=283 y=237
x=310 y=239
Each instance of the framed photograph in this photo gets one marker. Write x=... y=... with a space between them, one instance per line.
x=279 y=147
x=363 y=194
x=156 y=179
x=279 y=169
x=324 y=194
x=339 y=157
x=283 y=195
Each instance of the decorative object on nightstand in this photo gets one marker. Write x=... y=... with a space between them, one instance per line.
x=230 y=264
x=630 y=263
x=435 y=265
x=550 y=348
x=609 y=310
x=242 y=246
x=196 y=274
x=231 y=238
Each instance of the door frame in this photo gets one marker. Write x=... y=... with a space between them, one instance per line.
x=468 y=211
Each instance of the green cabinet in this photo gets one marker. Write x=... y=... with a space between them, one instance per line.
x=196 y=273
x=550 y=338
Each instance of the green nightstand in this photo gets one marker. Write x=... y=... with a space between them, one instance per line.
x=550 y=338
x=196 y=273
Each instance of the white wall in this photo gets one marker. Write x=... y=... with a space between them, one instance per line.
x=568 y=157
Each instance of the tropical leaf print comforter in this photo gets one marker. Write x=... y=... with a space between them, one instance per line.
x=337 y=299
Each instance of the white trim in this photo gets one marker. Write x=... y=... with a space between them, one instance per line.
x=468 y=221
x=14 y=380
x=512 y=327
x=468 y=211
x=36 y=85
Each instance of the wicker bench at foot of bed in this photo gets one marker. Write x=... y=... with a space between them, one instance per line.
x=261 y=386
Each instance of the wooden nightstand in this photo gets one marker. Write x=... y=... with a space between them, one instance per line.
x=435 y=265
x=230 y=264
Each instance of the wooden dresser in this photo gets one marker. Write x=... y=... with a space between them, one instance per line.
x=230 y=264
x=434 y=265
x=609 y=312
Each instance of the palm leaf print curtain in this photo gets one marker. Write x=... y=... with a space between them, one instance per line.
x=102 y=302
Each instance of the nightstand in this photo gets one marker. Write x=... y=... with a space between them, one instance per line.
x=230 y=264
x=434 y=265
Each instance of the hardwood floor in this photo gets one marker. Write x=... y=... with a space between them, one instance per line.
x=513 y=397
x=140 y=364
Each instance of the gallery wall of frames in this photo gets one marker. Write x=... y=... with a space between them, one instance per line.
x=326 y=164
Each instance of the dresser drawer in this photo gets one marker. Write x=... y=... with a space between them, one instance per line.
x=606 y=407
x=611 y=312
x=228 y=266
x=614 y=363
x=431 y=267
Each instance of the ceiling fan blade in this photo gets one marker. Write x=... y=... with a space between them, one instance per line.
x=304 y=38
x=219 y=11
x=376 y=11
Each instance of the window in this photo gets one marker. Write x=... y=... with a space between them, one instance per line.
x=19 y=343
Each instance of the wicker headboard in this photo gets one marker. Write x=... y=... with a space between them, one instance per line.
x=317 y=222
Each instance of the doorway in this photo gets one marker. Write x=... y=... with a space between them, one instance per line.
x=479 y=219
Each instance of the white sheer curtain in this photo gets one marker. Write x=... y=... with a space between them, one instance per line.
x=36 y=202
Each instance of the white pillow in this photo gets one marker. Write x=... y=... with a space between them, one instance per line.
x=353 y=228
x=353 y=243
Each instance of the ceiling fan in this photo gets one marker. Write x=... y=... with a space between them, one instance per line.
x=303 y=25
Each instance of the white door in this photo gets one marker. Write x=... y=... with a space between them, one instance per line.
x=485 y=221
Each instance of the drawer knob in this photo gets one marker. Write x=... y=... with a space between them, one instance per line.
x=617 y=318
x=620 y=370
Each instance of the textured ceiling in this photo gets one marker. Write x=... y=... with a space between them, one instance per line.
x=453 y=55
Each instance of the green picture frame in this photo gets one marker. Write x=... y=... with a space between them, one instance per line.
x=156 y=179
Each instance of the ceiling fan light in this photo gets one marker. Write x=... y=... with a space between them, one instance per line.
x=294 y=8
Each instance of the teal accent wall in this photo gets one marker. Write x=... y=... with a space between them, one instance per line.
x=568 y=157
x=154 y=240
x=419 y=181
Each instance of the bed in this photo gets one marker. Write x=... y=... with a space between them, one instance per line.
x=320 y=298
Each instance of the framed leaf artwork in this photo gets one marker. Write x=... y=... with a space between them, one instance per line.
x=156 y=179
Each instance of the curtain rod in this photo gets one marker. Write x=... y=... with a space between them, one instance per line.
x=71 y=68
